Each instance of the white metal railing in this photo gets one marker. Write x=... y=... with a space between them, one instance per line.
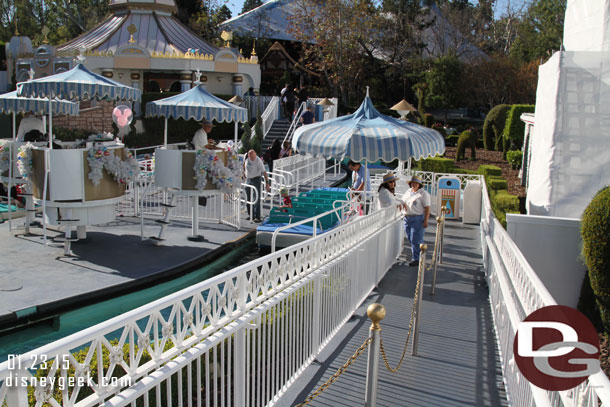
x=143 y=197
x=315 y=221
x=295 y=122
x=515 y=291
x=239 y=338
x=257 y=104
x=253 y=198
x=271 y=114
x=303 y=169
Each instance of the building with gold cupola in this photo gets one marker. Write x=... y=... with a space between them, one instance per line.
x=141 y=44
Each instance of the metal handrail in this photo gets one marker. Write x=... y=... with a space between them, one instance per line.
x=270 y=114
x=313 y=220
x=245 y=199
x=294 y=124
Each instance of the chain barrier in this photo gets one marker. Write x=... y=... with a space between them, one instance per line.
x=410 y=330
x=420 y=274
x=338 y=373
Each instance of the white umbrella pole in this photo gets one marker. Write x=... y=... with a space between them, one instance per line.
x=165 y=134
x=366 y=180
x=44 y=121
x=50 y=124
x=235 y=134
x=14 y=127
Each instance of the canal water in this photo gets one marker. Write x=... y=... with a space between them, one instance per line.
x=30 y=338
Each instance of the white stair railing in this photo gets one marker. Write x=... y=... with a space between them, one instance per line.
x=295 y=123
x=271 y=114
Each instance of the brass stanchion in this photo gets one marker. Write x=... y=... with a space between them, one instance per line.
x=420 y=279
x=376 y=313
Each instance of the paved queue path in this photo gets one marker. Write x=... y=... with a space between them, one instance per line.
x=458 y=362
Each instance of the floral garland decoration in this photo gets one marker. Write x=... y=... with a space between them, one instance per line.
x=101 y=158
x=234 y=164
x=207 y=163
x=5 y=155
x=24 y=160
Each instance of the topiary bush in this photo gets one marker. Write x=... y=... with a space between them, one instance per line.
x=257 y=140
x=493 y=128
x=595 y=232
x=514 y=158
x=452 y=141
x=496 y=183
x=466 y=139
x=502 y=203
x=514 y=129
x=427 y=119
x=439 y=127
x=489 y=170
x=245 y=139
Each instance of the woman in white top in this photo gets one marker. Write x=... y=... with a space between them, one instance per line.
x=416 y=201
x=386 y=196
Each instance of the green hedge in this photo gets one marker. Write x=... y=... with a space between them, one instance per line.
x=496 y=183
x=502 y=203
x=435 y=164
x=514 y=128
x=595 y=231
x=514 y=158
x=493 y=128
x=452 y=141
x=489 y=170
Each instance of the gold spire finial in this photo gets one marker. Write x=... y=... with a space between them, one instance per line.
x=45 y=33
x=132 y=29
x=253 y=47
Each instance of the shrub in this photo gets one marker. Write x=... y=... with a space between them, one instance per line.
x=595 y=231
x=514 y=128
x=245 y=139
x=436 y=164
x=496 y=183
x=439 y=127
x=493 y=128
x=427 y=119
x=502 y=203
x=466 y=139
x=514 y=158
x=257 y=140
x=489 y=170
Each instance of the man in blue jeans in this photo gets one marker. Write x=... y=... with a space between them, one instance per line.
x=416 y=203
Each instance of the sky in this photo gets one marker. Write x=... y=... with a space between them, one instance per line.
x=236 y=5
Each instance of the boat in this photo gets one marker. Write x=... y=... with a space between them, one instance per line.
x=324 y=206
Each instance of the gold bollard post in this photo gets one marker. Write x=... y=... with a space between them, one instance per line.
x=419 y=291
x=439 y=225
x=376 y=313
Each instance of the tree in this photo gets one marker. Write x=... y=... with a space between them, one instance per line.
x=541 y=31
x=339 y=38
x=206 y=23
x=250 y=5
x=444 y=83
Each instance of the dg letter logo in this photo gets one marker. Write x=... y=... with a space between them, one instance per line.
x=556 y=348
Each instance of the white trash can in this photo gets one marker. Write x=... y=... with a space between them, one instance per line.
x=472 y=202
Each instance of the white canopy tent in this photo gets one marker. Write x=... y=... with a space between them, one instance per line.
x=570 y=143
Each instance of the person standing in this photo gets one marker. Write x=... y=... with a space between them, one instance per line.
x=303 y=95
x=200 y=139
x=361 y=182
x=289 y=99
x=283 y=98
x=416 y=203
x=386 y=192
x=27 y=124
x=254 y=170
x=307 y=117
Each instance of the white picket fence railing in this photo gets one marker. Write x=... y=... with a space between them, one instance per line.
x=239 y=338
x=271 y=114
x=515 y=291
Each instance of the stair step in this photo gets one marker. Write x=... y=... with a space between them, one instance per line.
x=67 y=220
x=167 y=205
x=156 y=239
x=163 y=222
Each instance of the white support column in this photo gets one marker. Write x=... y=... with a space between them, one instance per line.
x=135 y=83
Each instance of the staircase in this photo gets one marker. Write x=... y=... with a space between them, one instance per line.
x=278 y=131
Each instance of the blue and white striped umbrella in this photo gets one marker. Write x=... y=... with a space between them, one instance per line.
x=196 y=103
x=368 y=135
x=11 y=103
x=78 y=83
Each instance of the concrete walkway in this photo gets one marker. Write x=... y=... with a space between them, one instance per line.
x=457 y=363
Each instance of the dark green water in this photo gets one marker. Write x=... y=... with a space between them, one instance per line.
x=76 y=320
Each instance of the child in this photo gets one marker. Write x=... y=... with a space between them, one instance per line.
x=286 y=201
